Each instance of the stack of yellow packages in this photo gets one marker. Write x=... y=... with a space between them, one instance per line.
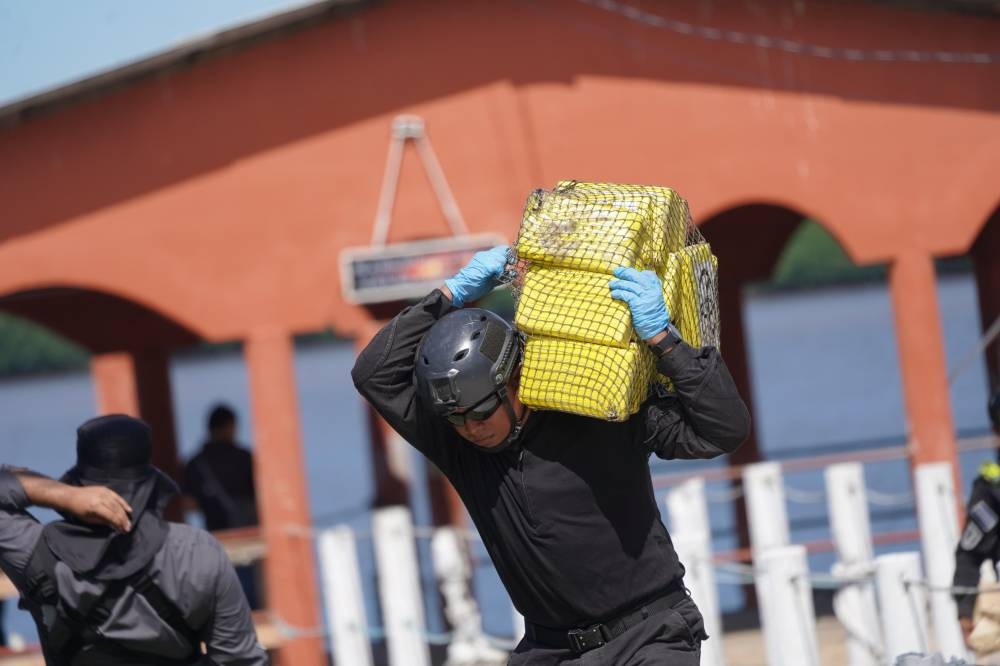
x=582 y=355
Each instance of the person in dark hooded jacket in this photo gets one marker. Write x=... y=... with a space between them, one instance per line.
x=114 y=583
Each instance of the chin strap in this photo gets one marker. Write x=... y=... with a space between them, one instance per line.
x=515 y=430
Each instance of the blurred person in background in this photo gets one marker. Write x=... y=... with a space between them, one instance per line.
x=114 y=583
x=564 y=503
x=220 y=479
x=980 y=542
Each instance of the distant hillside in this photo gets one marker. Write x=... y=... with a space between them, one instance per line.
x=814 y=258
x=26 y=347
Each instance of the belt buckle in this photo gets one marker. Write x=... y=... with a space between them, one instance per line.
x=583 y=640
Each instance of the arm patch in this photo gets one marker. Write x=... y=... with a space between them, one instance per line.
x=984 y=516
x=971 y=536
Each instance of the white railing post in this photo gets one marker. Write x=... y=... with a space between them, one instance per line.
x=936 y=513
x=787 y=616
x=346 y=622
x=399 y=587
x=700 y=581
x=767 y=516
x=855 y=604
x=687 y=508
x=903 y=604
x=766 y=512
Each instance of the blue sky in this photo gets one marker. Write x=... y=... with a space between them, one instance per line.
x=47 y=43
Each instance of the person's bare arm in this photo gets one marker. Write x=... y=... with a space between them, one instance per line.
x=91 y=504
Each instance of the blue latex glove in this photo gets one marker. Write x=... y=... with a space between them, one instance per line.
x=644 y=295
x=479 y=276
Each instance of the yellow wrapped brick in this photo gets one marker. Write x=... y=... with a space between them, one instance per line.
x=583 y=233
x=581 y=378
x=668 y=208
x=574 y=305
x=689 y=284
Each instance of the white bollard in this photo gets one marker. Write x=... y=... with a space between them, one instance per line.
x=346 y=622
x=766 y=512
x=854 y=605
x=691 y=533
x=399 y=587
x=787 y=616
x=936 y=512
x=903 y=605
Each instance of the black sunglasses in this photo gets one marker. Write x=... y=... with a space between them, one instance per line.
x=480 y=411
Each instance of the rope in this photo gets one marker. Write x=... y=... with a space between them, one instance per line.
x=291 y=632
x=853 y=634
x=419 y=532
x=951 y=589
x=888 y=499
x=804 y=496
x=725 y=496
x=791 y=46
x=980 y=347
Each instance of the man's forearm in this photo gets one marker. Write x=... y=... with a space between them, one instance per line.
x=92 y=504
x=43 y=491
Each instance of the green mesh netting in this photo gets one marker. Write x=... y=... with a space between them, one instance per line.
x=582 y=355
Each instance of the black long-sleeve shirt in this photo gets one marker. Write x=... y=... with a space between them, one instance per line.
x=980 y=540
x=568 y=516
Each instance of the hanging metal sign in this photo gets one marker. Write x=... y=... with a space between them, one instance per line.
x=384 y=272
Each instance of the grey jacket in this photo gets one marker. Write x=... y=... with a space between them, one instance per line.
x=192 y=570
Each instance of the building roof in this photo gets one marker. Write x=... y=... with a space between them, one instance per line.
x=182 y=55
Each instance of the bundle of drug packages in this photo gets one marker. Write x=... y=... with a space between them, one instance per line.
x=582 y=355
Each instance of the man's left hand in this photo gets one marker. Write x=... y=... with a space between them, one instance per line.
x=100 y=506
x=92 y=504
x=643 y=293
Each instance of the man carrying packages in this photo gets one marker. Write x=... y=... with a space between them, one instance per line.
x=564 y=503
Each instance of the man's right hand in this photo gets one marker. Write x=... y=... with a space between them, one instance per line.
x=479 y=276
x=967 y=626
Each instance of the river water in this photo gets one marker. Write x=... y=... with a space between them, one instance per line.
x=826 y=378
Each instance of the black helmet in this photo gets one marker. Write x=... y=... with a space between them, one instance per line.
x=467 y=355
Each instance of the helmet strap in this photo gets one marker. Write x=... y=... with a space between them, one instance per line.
x=516 y=426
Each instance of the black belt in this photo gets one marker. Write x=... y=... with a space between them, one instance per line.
x=582 y=640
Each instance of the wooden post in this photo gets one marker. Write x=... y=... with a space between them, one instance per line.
x=921 y=357
x=138 y=384
x=290 y=571
x=114 y=383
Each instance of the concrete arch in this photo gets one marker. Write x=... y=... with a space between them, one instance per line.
x=784 y=208
x=98 y=319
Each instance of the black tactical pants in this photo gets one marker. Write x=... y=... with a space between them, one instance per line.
x=669 y=638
